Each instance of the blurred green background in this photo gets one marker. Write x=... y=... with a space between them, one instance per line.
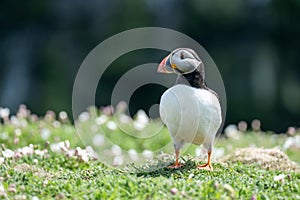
x=255 y=44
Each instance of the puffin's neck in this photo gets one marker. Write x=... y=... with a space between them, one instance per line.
x=194 y=79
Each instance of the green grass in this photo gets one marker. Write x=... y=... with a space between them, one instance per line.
x=57 y=175
x=60 y=177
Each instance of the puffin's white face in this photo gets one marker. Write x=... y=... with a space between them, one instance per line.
x=180 y=61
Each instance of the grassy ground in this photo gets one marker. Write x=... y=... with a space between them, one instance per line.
x=38 y=163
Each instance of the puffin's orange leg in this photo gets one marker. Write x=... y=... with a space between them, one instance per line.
x=208 y=165
x=177 y=164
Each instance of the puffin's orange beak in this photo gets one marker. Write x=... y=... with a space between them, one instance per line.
x=162 y=66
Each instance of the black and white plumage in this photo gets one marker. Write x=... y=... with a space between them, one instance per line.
x=190 y=110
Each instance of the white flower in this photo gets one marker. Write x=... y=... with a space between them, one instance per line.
x=98 y=140
x=15 y=121
x=116 y=150
x=83 y=117
x=67 y=144
x=62 y=146
x=118 y=160
x=23 y=111
x=90 y=151
x=1 y=161
x=71 y=153
x=138 y=126
x=45 y=133
x=16 y=140
x=4 y=136
x=173 y=191
x=200 y=152
x=148 y=154
x=292 y=142
x=63 y=115
x=288 y=143
x=35 y=161
x=18 y=132
x=231 y=131
x=28 y=150
x=142 y=117
x=85 y=157
x=111 y=125
x=55 y=147
x=4 y=112
x=141 y=120
x=218 y=152
x=7 y=153
x=133 y=155
x=191 y=176
x=39 y=152
x=18 y=154
x=101 y=120
x=45 y=182
x=79 y=151
x=56 y=124
x=82 y=154
x=35 y=198
x=121 y=107
x=279 y=177
x=2 y=190
x=125 y=119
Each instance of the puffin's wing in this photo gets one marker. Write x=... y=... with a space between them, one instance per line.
x=169 y=110
x=179 y=111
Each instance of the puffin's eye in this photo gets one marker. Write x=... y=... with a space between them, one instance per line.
x=181 y=56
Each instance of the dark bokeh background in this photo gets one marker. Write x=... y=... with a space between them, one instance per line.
x=255 y=44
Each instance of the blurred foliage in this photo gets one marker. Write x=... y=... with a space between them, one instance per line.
x=112 y=136
x=254 y=43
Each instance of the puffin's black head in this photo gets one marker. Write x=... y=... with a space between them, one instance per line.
x=185 y=62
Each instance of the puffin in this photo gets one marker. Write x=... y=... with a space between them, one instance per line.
x=190 y=109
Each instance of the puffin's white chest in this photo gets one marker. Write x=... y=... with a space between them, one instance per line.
x=191 y=115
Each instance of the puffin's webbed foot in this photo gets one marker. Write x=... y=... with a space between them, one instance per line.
x=208 y=165
x=176 y=165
